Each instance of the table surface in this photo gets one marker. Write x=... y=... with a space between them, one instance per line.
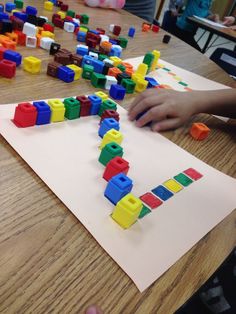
x=227 y=33
x=49 y=262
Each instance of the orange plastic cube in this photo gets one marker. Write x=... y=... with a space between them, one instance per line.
x=106 y=45
x=129 y=71
x=146 y=27
x=9 y=44
x=199 y=131
x=12 y=36
x=114 y=71
x=127 y=65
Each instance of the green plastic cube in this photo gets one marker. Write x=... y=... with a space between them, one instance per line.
x=123 y=42
x=121 y=67
x=144 y=211
x=85 y=18
x=129 y=85
x=70 y=13
x=183 y=179
x=102 y=57
x=110 y=151
x=72 y=107
x=87 y=71
x=148 y=59
x=107 y=105
x=98 y=80
x=19 y=4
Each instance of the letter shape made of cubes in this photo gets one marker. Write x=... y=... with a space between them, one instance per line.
x=127 y=211
x=118 y=187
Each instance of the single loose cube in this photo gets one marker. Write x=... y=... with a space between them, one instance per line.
x=117 y=92
x=58 y=110
x=127 y=211
x=32 y=64
x=48 y=5
x=131 y=32
x=199 y=131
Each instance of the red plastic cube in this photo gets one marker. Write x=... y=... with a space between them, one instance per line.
x=64 y=7
x=25 y=115
x=48 y=27
x=110 y=114
x=7 y=68
x=85 y=105
x=21 y=38
x=116 y=30
x=115 y=166
x=155 y=28
x=2 y=50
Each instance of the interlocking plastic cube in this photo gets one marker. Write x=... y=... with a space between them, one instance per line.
x=108 y=124
x=98 y=80
x=112 y=136
x=199 y=131
x=43 y=112
x=129 y=85
x=32 y=64
x=127 y=211
x=85 y=105
x=25 y=115
x=9 y=6
x=31 y=41
x=48 y=5
x=115 y=166
x=131 y=32
x=72 y=107
x=141 y=85
x=102 y=95
x=95 y=104
x=65 y=74
x=13 y=56
x=7 y=68
x=69 y=27
x=58 y=110
x=117 y=92
x=29 y=29
x=46 y=42
x=109 y=81
x=107 y=104
x=77 y=70
x=110 y=151
x=118 y=187
x=31 y=10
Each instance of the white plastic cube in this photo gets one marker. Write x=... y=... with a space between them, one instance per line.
x=29 y=29
x=44 y=17
x=77 y=21
x=104 y=38
x=45 y=42
x=69 y=27
x=93 y=54
x=108 y=61
x=109 y=81
x=31 y=42
x=111 y=27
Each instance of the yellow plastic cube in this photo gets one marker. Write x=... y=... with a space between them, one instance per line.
x=62 y=14
x=102 y=95
x=32 y=64
x=157 y=55
x=127 y=211
x=47 y=34
x=78 y=71
x=83 y=29
x=116 y=60
x=48 y=5
x=136 y=76
x=173 y=186
x=142 y=69
x=58 y=110
x=15 y=10
x=111 y=136
x=141 y=85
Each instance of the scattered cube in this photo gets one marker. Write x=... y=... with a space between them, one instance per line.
x=199 y=131
x=32 y=64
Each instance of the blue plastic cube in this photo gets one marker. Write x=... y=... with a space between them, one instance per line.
x=87 y=59
x=113 y=41
x=117 y=92
x=108 y=124
x=13 y=56
x=81 y=36
x=1 y=8
x=65 y=74
x=31 y=10
x=95 y=104
x=162 y=193
x=151 y=82
x=82 y=51
x=115 y=51
x=98 y=65
x=118 y=187
x=9 y=6
x=4 y=16
x=131 y=32
x=21 y=15
x=94 y=31
x=44 y=112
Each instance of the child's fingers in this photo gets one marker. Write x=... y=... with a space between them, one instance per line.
x=157 y=113
x=142 y=96
x=167 y=124
x=144 y=105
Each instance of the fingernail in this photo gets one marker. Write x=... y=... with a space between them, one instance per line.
x=157 y=128
x=92 y=310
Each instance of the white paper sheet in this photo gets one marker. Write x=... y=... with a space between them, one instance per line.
x=65 y=156
x=210 y=22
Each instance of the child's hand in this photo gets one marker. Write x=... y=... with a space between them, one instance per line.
x=166 y=109
x=228 y=20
